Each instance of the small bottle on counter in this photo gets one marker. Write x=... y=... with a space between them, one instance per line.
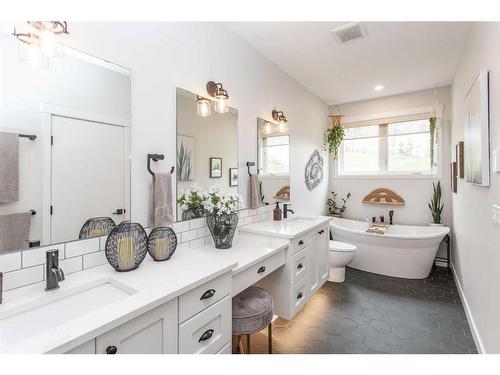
x=277 y=212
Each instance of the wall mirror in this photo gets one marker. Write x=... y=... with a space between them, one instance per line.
x=207 y=150
x=273 y=154
x=64 y=147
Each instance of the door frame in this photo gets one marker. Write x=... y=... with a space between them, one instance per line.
x=47 y=112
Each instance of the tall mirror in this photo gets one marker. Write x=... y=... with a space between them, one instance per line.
x=64 y=147
x=207 y=150
x=273 y=150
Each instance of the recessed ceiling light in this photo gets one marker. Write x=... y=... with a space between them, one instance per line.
x=378 y=88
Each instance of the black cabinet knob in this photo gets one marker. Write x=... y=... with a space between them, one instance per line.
x=299 y=266
x=301 y=242
x=111 y=349
x=261 y=269
x=299 y=296
x=206 y=335
x=321 y=231
x=208 y=294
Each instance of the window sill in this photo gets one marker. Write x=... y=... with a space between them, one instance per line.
x=390 y=177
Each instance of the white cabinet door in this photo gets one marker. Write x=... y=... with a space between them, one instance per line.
x=322 y=242
x=154 y=332
x=312 y=265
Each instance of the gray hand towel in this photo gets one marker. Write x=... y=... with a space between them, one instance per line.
x=160 y=203
x=9 y=167
x=14 y=231
x=254 y=192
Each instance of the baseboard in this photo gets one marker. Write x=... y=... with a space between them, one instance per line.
x=468 y=314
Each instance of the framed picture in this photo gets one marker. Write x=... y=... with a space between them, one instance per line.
x=460 y=159
x=215 y=167
x=476 y=132
x=185 y=158
x=233 y=176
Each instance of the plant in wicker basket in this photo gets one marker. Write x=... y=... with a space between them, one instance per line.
x=222 y=218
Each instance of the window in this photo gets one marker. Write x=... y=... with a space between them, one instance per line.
x=397 y=148
x=275 y=155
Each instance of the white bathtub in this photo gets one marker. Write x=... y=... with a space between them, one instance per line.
x=406 y=251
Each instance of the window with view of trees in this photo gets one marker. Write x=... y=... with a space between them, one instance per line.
x=399 y=148
x=275 y=155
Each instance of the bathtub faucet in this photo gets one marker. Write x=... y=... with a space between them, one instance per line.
x=381 y=218
x=391 y=214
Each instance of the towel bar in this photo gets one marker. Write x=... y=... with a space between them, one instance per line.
x=31 y=137
x=156 y=157
x=250 y=164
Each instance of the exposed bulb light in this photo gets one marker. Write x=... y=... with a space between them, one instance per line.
x=217 y=91
x=48 y=43
x=282 y=127
x=268 y=127
x=378 y=88
x=279 y=116
x=203 y=108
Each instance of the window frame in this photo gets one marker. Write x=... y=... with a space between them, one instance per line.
x=261 y=150
x=383 y=124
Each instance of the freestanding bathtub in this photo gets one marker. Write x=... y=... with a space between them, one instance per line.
x=405 y=251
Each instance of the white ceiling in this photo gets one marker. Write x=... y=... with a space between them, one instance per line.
x=401 y=56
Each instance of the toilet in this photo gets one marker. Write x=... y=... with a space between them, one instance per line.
x=341 y=254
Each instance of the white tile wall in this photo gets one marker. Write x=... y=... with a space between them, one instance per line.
x=27 y=267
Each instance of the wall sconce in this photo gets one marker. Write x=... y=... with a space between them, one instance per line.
x=41 y=43
x=203 y=107
x=279 y=117
x=217 y=91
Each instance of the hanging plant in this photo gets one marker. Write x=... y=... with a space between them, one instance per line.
x=432 y=131
x=334 y=137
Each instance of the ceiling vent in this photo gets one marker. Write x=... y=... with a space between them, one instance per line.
x=350 y=32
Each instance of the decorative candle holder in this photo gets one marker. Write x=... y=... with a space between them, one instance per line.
x=97 y=227
x=162 y=243
x=126 y=246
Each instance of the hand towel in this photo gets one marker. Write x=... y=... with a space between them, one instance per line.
x=9 y=167
x=14 y=231
x=160 y=203
x=254 y=192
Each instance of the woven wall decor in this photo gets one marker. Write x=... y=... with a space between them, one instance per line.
x=314 y=170
x=385 y=197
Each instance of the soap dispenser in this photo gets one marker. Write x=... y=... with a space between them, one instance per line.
x=277 y=212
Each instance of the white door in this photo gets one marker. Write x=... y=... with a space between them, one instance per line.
x=88 y=174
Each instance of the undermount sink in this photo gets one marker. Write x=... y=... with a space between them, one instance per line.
x=59 y=307
x=298 y=220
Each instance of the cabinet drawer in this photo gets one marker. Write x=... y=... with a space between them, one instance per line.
x=198 y=299
x=209 y=331
x=85 y=348
x=299 y=295
x=301 y=242
x=251 y=275
x=299 y=265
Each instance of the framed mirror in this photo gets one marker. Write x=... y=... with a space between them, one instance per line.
x=207 y=151
x=64 y=147
x=273 y=160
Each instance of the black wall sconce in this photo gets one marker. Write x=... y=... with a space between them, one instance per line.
x=279 y=116
x=217 y=91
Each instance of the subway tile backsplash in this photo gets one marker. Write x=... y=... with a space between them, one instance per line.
x=27 y=267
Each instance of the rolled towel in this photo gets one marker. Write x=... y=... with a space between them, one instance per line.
x=14 y=231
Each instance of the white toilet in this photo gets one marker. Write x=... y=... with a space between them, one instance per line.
x=341 y=254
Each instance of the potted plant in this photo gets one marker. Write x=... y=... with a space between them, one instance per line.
x=192 y=202
x=222 y=218
x=435 y=205
x=335 y=210
x=334 y=137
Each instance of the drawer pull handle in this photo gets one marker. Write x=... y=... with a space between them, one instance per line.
x=206 y=335
x=299 y=296
x=261 y=269
x=321 y=231
x=111 y=349
x=301 y=242
x=208 y=294
x=299 y=266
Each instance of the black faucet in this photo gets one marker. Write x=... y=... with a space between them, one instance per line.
x=54 y=273
x=391 y=214
x=286 y=210
x=381 y=218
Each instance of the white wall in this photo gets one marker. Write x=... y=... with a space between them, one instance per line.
x=476 y=240
x=163 y=56
x=416 y=192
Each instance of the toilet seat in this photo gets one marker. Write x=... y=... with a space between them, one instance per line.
x=341 y=246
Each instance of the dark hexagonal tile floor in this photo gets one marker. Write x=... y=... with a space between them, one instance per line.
x=370 y=313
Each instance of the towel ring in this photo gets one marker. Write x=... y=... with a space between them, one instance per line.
x=250 y=164
x=156 y=157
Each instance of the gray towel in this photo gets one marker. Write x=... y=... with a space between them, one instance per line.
x=254 y=192
x=9 y=167
x=14 y=231
x=160 y=202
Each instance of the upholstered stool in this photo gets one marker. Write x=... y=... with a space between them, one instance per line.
x=252 y=312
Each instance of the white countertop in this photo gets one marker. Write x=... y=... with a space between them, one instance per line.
x=293 y=227
x=153 y=284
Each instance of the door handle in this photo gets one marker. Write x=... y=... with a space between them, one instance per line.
x=208 y=294
x=261 y=269
x=119 y=211
x=206 y=335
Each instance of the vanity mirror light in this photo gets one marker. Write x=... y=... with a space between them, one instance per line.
x=207 y=149
x=64 y=147
x=273 y=150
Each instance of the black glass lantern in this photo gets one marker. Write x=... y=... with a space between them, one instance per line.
x=126 y=246
x=162 y=243
x=96 y=227
x=222 y=228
